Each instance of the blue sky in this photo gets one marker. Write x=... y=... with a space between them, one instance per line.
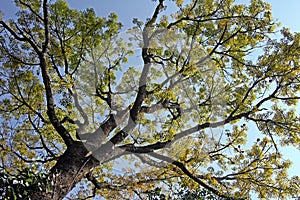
x=287 y=12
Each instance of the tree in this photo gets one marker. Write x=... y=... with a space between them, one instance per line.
x=184 y=193
x=212 y=78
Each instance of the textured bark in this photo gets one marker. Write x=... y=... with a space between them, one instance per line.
x=71 y=167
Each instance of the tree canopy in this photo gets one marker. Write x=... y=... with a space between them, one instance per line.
x=193 y=103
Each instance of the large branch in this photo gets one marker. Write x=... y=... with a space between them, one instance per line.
x=147 y=63
x=159 y=145
x=43 y=65
x=190 y=175
x=108 y=148
x=22 y=38
x=142 y=92
x=46 y=79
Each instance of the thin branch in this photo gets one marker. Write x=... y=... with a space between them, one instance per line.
x=31 y=10
x=41 y=137
x=21 y=39
x=46 y=27
x=190 y=175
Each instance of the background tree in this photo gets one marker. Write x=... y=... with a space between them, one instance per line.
x=72 y=103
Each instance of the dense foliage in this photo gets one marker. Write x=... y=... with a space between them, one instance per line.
x=193 y=104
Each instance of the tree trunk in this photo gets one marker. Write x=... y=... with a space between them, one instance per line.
x=71 y=167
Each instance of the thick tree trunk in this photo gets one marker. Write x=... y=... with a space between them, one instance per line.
x=71 y=167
